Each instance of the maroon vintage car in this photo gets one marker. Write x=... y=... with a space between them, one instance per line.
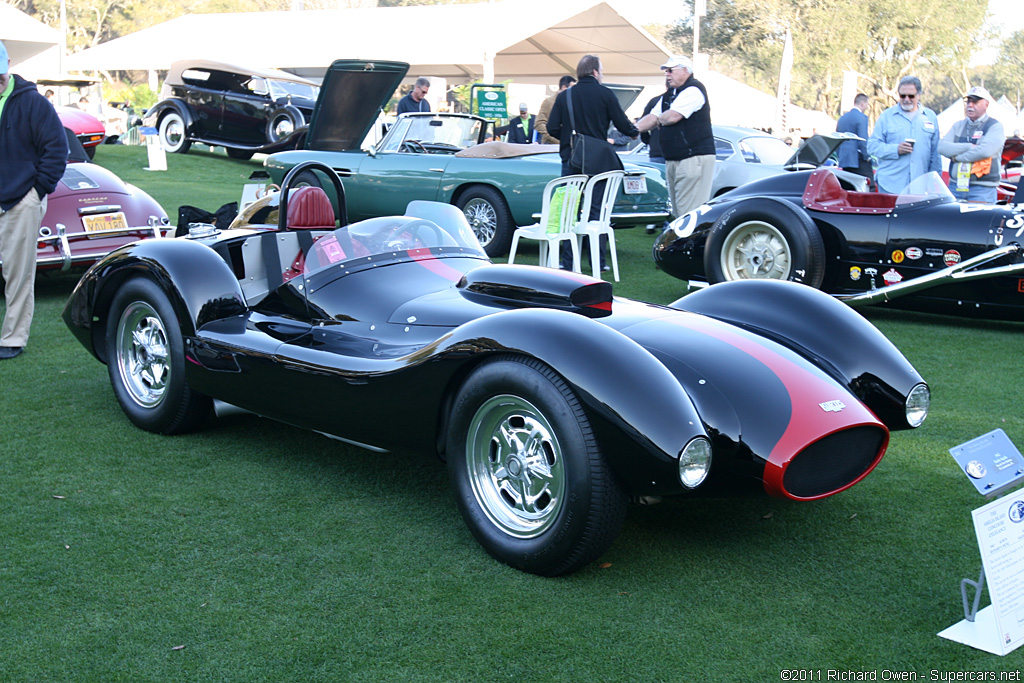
x=93 y=212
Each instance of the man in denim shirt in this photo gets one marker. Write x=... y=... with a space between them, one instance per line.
x=905 y=142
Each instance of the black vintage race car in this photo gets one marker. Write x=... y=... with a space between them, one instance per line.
x=551 y=400
x=918 y=250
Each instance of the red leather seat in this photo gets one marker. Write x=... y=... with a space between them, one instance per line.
x=309 y=209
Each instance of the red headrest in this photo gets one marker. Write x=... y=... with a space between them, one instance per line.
x=309 y=209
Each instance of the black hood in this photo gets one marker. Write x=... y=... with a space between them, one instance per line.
x=351 y=97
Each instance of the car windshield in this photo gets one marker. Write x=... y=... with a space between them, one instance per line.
x=454 y=132
x=428 y=229
x=763 y=149
x=279 y=89
x=928 y=187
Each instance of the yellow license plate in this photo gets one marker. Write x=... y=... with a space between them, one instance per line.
x=105 y=221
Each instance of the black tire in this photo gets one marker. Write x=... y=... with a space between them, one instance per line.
x=765 y=238
x=283 y=121
x=550 y=513
x=146 y=361
x=240 y=154
x=490 y=218
x=306 y=178
x=173 y=133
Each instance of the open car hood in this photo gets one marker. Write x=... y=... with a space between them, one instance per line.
x=627 y=94
x=351 y=95
x=815 y=150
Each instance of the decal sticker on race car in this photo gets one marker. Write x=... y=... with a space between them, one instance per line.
x=1020 y=286
x=914 y=253
x=933 y=253
x=974 y=206
x=855 y=273
x=897 y=256
x=951 y=257
x=891 y=277
x=832 y=406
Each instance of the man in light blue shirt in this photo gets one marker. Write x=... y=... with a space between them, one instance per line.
x=905 y=142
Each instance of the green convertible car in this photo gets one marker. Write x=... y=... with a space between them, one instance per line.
x=440 y=157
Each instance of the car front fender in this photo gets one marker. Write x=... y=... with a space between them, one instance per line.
x=198 y=282
x=157 y=111
x=629 y=391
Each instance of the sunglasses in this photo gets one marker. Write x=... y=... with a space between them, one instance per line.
x=972 y=99
x=907 y=96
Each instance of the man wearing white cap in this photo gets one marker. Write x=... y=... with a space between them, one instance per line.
x=33 y=153
x=974 y=145
x=687 y=141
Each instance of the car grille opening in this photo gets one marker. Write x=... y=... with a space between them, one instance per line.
x=832 y=463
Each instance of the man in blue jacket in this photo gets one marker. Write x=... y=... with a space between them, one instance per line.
x=905 y=141
x=853 y=154
x=33 y=153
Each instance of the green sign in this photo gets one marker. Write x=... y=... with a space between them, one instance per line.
x=491 y=104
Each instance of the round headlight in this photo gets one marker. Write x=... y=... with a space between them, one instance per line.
x=694 y=462
x=918 y=401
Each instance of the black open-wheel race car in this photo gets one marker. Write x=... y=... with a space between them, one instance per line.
x=920 y=249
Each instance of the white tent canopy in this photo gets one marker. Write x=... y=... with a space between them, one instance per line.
x=25 y=38
x=499 y=41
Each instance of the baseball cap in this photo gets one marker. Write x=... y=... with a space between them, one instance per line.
x=3 y=58
x=678 y=60
x=978 y=92
x=522 y=106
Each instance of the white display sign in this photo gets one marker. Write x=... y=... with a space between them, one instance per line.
x=999 y=628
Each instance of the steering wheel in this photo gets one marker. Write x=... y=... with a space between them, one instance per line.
x=414 y=146
x=408 y=235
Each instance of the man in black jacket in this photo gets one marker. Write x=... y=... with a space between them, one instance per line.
x=687 y=140
x=595 y=107
x=33 y=153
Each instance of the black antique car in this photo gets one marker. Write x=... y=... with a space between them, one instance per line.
x=918 y=250
x=551 y=400
x=244 y=110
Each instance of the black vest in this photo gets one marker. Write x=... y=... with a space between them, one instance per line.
x=690 y=137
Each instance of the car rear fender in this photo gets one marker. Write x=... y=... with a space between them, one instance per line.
x=198 y=282
x=621 y=384
x=810 y=322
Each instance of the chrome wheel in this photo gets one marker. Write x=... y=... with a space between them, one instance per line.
x=756 y=249
x=482 y=218
x=142 y=354
x=515 y=466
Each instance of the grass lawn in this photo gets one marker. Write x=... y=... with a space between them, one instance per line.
x=253 y=551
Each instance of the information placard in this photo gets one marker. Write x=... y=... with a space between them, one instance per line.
x=491 y=104
x=999 y=628
x=991 y=461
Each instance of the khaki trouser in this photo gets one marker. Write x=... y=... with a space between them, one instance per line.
x=689 y=182
x=19 y=229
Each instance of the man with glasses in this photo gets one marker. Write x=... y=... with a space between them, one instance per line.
x=974 y=146
x=905 y=142
x=683 y=124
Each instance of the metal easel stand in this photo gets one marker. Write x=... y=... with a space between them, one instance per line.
x=970 y=611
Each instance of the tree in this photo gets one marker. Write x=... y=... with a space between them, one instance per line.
x=881 y=39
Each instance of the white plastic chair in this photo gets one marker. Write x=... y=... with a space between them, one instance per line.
x=603 y=225
x=566 y=218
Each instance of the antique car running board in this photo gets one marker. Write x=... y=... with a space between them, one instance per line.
x=966 y=270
